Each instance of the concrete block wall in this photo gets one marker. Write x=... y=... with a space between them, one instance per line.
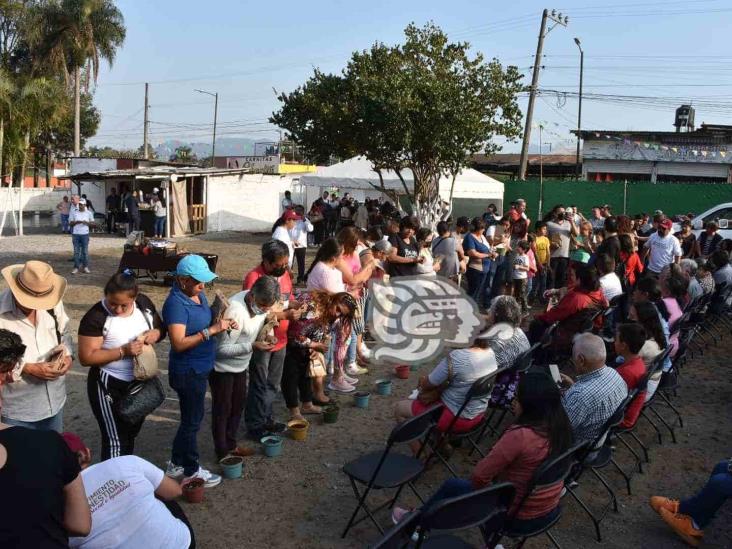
x=39 y=199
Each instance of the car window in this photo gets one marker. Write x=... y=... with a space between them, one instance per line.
x=722 y=217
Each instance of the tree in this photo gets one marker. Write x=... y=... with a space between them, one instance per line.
x=423 y=106
x=184 y=153
x=77 y=34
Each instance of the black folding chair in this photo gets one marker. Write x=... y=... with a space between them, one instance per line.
x=598 y=455
x=387 y=469
x=400 y=536
x=550 y=473
x=659 y=394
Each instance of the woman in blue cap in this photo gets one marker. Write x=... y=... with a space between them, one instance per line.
x=193 y=351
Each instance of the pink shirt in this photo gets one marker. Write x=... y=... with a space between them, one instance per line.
x=325 y=278
x=353 y=262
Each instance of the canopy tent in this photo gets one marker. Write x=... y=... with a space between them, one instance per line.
x=357 y=177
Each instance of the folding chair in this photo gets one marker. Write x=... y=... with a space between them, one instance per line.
x=660 y=394
x=400 y=536
x=550 y=473
x=481 y=388
x=598 y=455
x=387 y=469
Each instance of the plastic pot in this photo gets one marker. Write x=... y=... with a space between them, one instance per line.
x=361 y=399
x=298 y=429
x=330 y=414
x=193 y=490
x=272 y=445
x=383 y=387
x=232 y=466
x=402 y=371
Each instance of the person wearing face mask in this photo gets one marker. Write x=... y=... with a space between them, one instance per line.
x=188 y=318
x=662 y=248
x=265 y=367
x=561 y=228
x=111 y=334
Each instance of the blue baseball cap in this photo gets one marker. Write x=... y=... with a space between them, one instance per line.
x=196 y=267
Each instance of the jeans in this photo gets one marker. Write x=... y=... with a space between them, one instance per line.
x=703 y=506
x=538 y=286
x=477 y=286
x=191 y=389
x=559 y=266
x=133 y=223
x=265 y=376
x=352 y=349
x=499 y=279
x=65 y=223
x=81 y=250
x=53 y=423
x=228 y=397
x=160 y=225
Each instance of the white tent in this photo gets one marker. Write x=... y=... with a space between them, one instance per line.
x=356 y=175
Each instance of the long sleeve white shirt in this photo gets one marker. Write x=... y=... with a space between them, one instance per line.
x=234 y=349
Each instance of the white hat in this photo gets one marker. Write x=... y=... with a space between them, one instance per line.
x=156 y=190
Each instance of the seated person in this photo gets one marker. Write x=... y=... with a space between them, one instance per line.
x=596 y=393
x=689 y=517
x=131 y=502
x=609 y=281
x=629 y=340
x=705 y=278
x=719 y=261
x=541 y=431
x=461 y=368
x=647 y=316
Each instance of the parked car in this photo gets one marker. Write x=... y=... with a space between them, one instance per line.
x=721 y=214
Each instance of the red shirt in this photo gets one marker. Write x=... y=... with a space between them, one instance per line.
x=633 y=266
x=632 y=372
x=575 y=301
x=514 y=458
x=285 y=295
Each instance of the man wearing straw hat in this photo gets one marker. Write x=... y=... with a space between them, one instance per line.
x=32 y=308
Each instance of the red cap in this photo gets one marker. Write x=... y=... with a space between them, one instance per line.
x=666 y=223
x=289 y=214
x=74 y=442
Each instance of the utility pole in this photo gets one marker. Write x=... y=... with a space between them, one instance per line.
x=541 y=171
x=579 y=109
x=557 y=19
x=145 y=154
x=215 y=95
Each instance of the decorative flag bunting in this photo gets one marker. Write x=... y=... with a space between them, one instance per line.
x=674 y=149
x=678 y=149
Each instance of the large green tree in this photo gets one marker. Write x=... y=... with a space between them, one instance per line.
x=424 y=106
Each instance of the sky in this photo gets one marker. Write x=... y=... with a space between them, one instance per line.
x=654 y=55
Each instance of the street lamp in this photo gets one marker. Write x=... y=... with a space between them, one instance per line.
x=216 y=112
x=579 y=109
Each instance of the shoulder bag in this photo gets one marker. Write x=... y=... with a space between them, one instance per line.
x=430 y=396
x=142 y=398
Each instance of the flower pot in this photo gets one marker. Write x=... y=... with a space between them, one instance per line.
x=193 y=490
x=402 y=371
x=231 y=467
x=414 y=367
x=272 y=446
x=361 y=399
x=383 y=387
x=298 y=429
x=330 y=414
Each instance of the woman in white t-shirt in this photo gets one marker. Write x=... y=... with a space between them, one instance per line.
x=161 y=213
x=111 y=334
x=282 y=229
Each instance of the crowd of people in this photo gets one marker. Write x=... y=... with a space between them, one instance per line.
x=305 y=336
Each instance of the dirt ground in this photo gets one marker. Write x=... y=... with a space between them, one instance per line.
x=302 y=499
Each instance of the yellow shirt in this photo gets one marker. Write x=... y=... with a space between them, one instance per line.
x=542 y=250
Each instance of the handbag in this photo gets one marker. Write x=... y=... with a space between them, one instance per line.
x=316 y=366
x=146 y=364
x=142 y=398
x=430 y=396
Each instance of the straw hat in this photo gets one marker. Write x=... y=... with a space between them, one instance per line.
x=34 y=285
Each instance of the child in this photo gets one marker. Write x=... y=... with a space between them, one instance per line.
x=531 y=238
x=542 y=253
x=521 y=274
x=629 y=340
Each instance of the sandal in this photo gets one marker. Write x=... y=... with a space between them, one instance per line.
x=242 y=451
x=312 y=410
x=323 y=402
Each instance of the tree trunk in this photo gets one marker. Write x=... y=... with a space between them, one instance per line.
x=49 y=168
x=36 y=175
x=77 y=112
x=22 y=181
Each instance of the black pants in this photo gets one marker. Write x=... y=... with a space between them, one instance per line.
x=319 y=230
x=111 y=220
x=177 y=511
x=228 y=397
x=559 y=267
x=300 y=258
x=104 y=391
x=295 y=377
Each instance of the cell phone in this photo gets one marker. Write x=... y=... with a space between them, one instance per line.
x=554 y=370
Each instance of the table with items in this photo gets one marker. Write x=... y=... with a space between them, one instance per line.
x=153 y=257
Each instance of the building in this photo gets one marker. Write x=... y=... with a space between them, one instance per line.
x=272 y=164
x=703 y=155
x=506 y=165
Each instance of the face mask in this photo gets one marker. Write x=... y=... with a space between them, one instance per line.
x=278 y=272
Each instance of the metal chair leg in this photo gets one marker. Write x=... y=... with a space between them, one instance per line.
x=554 y=541
x=586 y=509
x=655 y=427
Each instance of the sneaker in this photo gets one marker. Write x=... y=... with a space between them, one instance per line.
x=354 y=369
x=86 y=270
x=341 y=386
x=174 y=471
x=682 y=525
x=365 y=351
x=660 y=502
x=75 y=271
x=350 y=380
x=398 y=514
x=209 y=479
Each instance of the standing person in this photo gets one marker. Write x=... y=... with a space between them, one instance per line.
x=501 y=269
x=287 y=203
x=519 y=222
x=708 y=241
x=610 y=245
x=445 y=246
x=597 y=221
x=662 y=248
x=480 y=259
x=31 y=307
x=161 y=214
x=81 y=220
x=491 y=219
x=133 y=212
x=520 y=274
x=688 y=240
x=299 y=238
x=284 y=225
x=228 y=380
x=361 y=218
x=111 y=334
x=405 y=251
x=193 y=350
x=543 y=254
x=64 y=208
x=43 y=492
x=318 y=214
x=265 y=367
x=430 y=264
x=581 y=247
x=629 y=258
x=560 y=229
x=113 y=205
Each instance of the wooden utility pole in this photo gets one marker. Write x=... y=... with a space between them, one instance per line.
x=558 y=20
x=146 y=126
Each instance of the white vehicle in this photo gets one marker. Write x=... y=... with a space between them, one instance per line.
x=721 y=214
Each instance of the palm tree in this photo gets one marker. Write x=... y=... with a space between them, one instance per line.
x=77 y=35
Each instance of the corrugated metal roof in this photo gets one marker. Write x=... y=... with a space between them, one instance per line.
x=155 y=172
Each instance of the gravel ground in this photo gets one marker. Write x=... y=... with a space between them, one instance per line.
x=302 y=499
